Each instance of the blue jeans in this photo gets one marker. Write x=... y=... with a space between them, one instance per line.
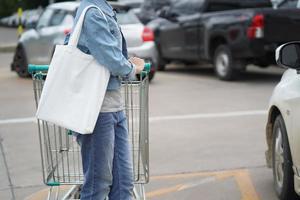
x=106 y=158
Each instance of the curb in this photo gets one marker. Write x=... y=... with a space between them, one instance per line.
x=7 y=49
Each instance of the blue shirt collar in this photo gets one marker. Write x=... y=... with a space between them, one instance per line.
x=105 y=7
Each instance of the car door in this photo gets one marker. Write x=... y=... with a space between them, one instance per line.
x=53 y=34
x=292 y=96
x=34 y=49
x=171 y=37
x=294 y=102
x=179 y=36
x=191 y=27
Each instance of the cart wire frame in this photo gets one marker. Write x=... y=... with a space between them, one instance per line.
x=60 y=152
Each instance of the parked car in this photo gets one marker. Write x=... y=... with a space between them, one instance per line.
x=10 y=21
x=229 y=34
x=283 y=128
x=31 y=17
x=37 y=45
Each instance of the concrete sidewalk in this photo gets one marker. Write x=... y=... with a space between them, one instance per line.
x=8 y=48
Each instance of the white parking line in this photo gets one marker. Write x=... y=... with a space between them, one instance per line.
x=18 y=120
x=209 y=115
x=164 y=118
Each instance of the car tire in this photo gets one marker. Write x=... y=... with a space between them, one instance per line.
x=20 y=62
x=161 y=64
x=161 y=67
x=226 y=68
x=282 y=162
x=151 y=76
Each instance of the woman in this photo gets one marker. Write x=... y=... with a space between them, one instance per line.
x=107 y=164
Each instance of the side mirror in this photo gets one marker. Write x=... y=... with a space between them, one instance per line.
x=163 y=12
x=167 y=13
x=288 y=55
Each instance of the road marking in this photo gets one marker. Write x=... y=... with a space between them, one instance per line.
x=178 y=188
x=208 y=115
x=241 y=177
x=246 y=186
x=164 y=191
x=18 y=120
x=163 y=118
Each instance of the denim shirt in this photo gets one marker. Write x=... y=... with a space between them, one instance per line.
x=104 y=41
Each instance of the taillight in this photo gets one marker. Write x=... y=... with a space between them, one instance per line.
x=256 y=30
x=148 y=35
x=67 y=31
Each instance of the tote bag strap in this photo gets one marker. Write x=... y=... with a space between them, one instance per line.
x=77 y=30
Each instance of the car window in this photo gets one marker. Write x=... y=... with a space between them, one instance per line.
x=288 y=4
x=57 y=17
x=45 y=18
x=68 y=20
x=214 y=7
x=186 y=7
x=127 y=18
x=155 y=4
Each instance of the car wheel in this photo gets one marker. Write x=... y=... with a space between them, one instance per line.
x=151 y=75
x=225 y=67
x=161 y=67
x=282 y=162
x=161 y=64
x=20 y=62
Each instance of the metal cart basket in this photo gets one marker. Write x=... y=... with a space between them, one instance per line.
x=60 y=153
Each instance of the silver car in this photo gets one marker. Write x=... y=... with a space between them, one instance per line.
x=37 y=45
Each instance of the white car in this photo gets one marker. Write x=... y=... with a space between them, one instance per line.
x=283 y=127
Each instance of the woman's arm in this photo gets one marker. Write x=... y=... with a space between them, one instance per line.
x=103 y=45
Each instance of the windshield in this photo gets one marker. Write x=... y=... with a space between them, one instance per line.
x=187 y=7
x=127 y=18
x=45 y=18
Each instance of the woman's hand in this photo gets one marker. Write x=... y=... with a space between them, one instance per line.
x=139 y=63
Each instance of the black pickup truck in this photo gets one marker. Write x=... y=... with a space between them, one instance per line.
x=230 y=34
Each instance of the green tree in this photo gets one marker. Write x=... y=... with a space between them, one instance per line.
x=7 y=7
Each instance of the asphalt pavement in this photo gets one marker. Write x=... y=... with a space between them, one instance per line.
x=8 y=38
x=207 y=137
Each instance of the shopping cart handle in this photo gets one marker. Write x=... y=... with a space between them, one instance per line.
x=37 y=68
x=40 y=68
x=147 y=67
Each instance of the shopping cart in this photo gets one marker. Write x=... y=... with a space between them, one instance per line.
x=60 y=153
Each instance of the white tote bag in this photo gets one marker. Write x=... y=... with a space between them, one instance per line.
x=75 y=86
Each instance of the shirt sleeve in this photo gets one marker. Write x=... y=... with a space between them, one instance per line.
x=103 y=45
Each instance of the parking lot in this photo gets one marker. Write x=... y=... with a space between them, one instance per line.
x=207 y=138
